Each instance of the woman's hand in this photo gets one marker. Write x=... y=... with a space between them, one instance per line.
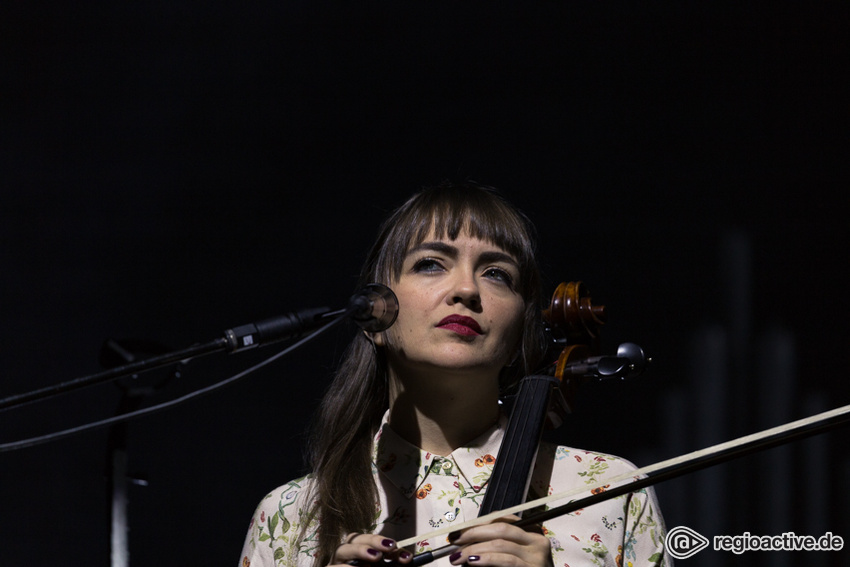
x=369 y=548
x=502 y=544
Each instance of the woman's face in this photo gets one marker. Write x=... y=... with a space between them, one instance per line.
x=459 y=310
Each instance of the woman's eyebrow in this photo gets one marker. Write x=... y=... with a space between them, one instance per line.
x=436 y=246
x=452 y=252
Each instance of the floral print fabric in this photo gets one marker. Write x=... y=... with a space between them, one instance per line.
x=420 y=492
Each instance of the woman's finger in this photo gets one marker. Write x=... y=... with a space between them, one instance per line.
x=502 y=528
x=502 y=544
x=369 y=548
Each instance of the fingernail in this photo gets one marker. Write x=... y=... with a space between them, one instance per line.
x=404 y=554
x=455 y=556
x=371 y=551
x=473 y=558
x=388 y=543
x=453 y=536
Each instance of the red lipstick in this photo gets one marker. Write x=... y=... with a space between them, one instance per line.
x=460 y=325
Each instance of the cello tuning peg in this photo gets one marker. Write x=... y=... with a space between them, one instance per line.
x=636 y=357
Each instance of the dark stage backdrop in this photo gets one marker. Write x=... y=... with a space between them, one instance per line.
x=173 y=169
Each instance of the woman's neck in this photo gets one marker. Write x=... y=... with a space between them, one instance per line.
x=440 y=414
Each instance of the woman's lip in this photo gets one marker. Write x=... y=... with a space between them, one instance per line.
x=460 y=324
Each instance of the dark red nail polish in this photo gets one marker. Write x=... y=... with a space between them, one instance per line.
x=388 y=543
x=473 y=558
x=371 y=551
x=455 y=556
x=404 y=554
x=453 y=536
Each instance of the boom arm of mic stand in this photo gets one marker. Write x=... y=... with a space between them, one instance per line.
x=234 y=340
x=113 y=373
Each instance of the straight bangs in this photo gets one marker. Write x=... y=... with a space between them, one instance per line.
x=449 y=210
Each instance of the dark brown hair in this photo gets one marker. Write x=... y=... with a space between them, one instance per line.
x=340 y=448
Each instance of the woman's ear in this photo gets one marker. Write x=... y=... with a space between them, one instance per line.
x=376 y=338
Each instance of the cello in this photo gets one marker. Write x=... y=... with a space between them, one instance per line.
x=545 y=398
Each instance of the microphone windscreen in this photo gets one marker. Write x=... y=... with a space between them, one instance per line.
x=374 y=308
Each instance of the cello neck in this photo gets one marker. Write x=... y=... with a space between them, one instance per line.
x=512 y=472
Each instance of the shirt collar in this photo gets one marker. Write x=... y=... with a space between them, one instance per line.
x=407 y=466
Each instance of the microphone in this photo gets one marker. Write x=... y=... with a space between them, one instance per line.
x=289 y=326
x=374 y=308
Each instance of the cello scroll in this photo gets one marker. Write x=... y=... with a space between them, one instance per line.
x=574 y=323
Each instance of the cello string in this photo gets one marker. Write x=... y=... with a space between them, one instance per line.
x=776 y=434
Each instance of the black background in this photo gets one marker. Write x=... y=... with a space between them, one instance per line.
x=172 y=169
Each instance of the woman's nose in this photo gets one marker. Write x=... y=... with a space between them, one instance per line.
x=465 y=290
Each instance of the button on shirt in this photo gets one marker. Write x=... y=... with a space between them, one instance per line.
x=420 y=492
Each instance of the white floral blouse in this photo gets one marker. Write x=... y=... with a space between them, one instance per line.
x=420 y=492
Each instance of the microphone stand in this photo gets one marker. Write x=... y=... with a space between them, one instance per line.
x=234 y=340
x=374 y=309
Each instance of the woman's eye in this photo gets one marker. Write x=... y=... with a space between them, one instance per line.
x=427 y=265
x=500 y=275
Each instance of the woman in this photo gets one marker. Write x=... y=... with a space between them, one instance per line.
x=408 y=433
